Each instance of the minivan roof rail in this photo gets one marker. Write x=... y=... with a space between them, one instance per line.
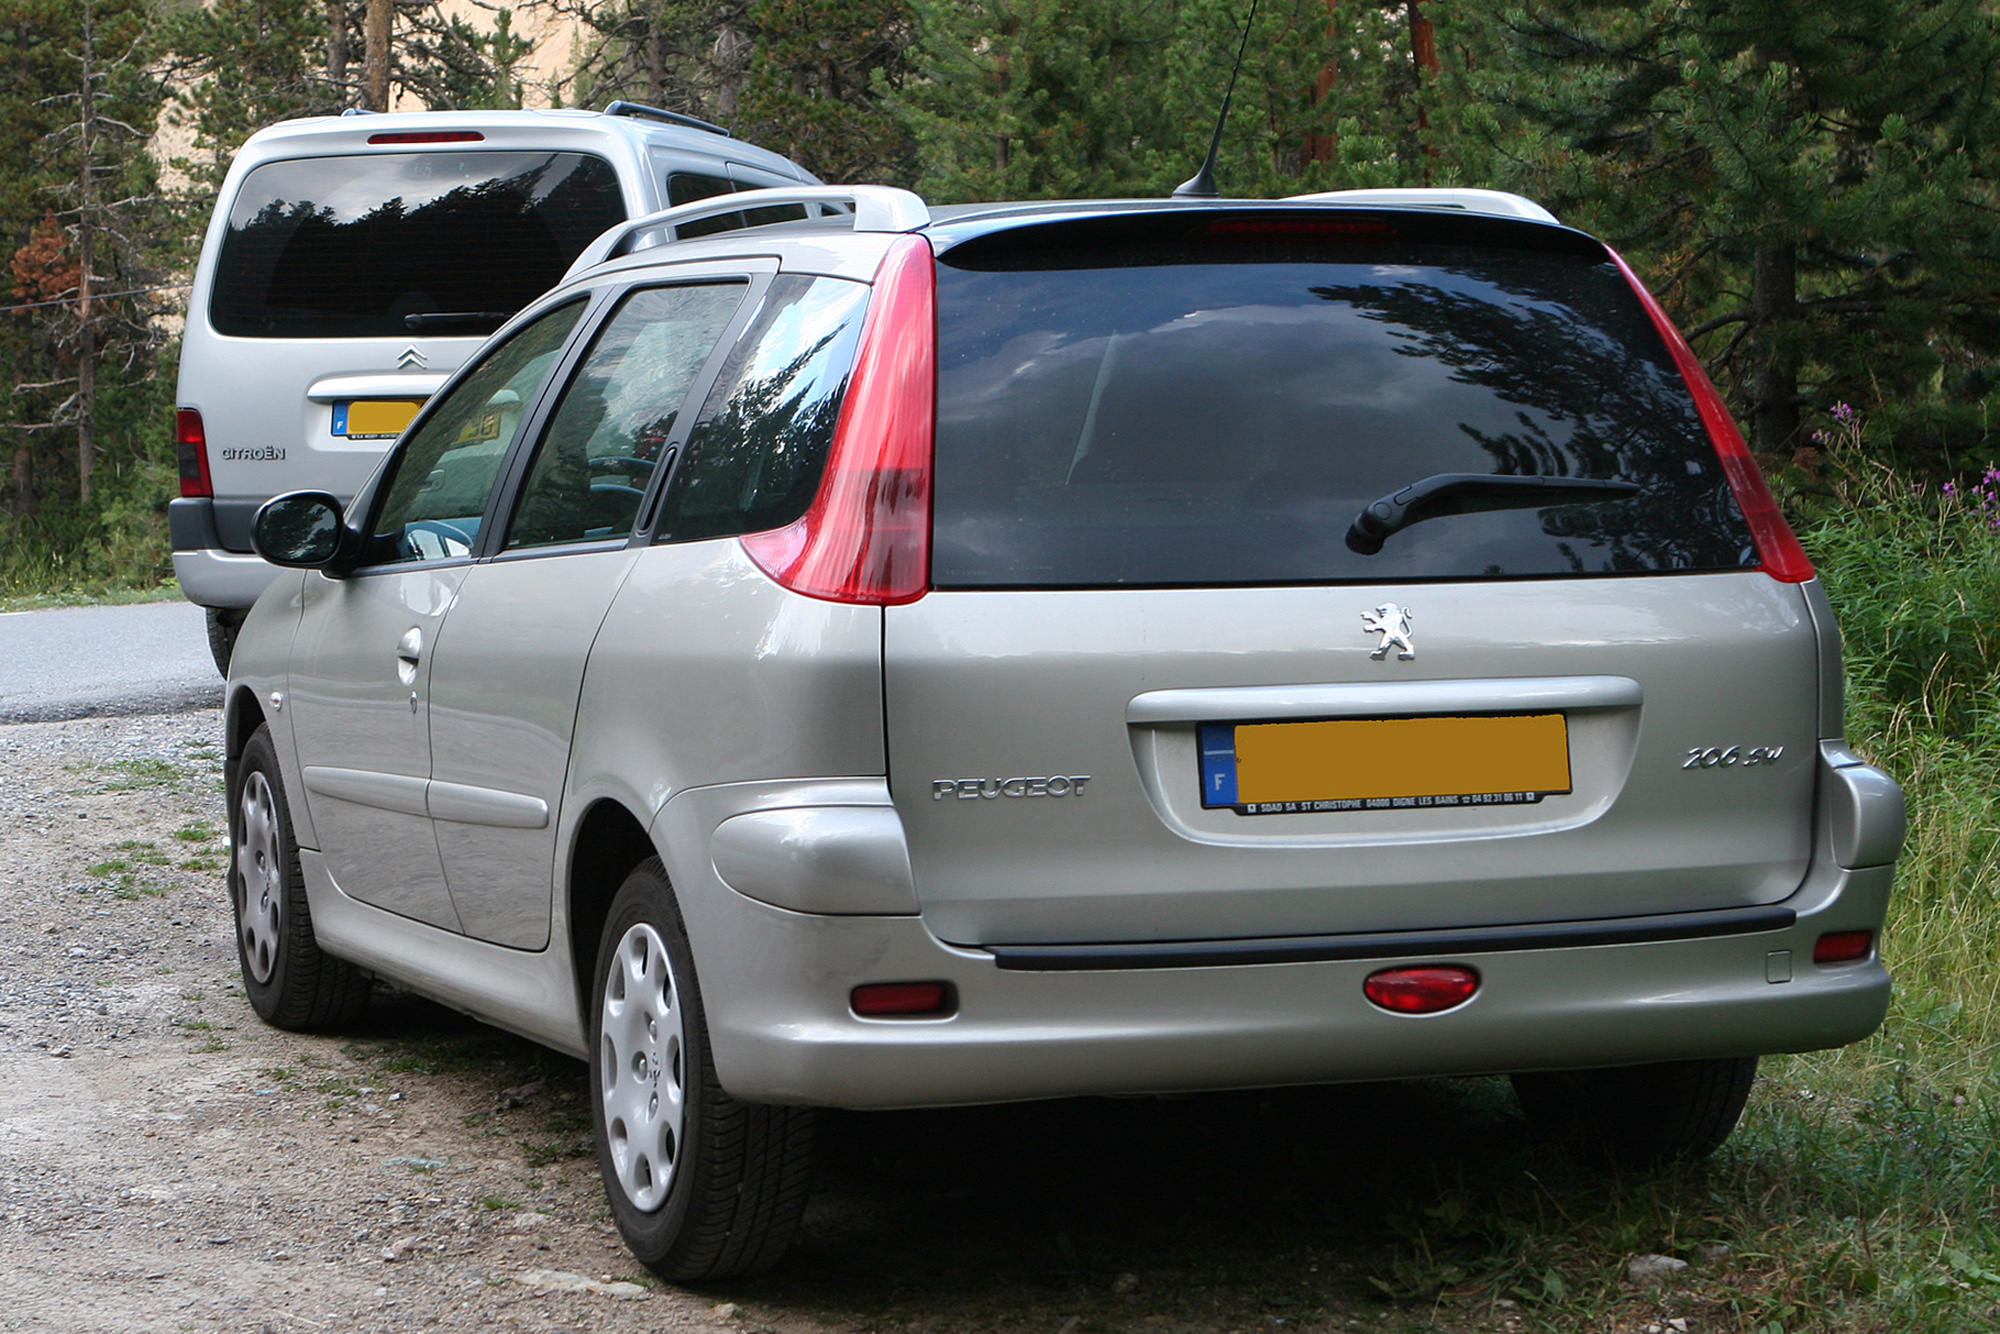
x=877 y=208
x=644 y=112
x=1495 y=202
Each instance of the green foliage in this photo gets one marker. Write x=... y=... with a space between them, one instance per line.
x=815 y=84
x=247 y=63
x=1812 y=186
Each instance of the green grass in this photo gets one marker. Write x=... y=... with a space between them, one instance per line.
x=54 y=592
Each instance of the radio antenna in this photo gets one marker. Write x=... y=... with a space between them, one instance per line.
x=1202 y=184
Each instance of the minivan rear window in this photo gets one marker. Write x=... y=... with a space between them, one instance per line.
x=1196 y=412
x=350 y=247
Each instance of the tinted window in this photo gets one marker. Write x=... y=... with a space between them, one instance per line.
x=754 y=457
x=1190 y=413
x=611 y=429
x=348 y=247
x=688 y=187
x=445 y=470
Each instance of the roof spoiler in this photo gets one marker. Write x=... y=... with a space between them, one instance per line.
x=1497 y=203
x=877 y=208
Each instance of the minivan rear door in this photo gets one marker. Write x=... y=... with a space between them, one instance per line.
x=345 y=287
x=1159 y=693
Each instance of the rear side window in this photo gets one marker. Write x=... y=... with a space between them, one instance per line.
x=351 y=247
x=754 y=458
x=1219 y=411
x=611 y=429
x=688 y=187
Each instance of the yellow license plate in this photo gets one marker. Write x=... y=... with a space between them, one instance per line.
x=1384 y=763
x=374 y=418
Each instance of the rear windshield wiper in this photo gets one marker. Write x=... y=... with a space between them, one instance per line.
x=1467 y=493
x=428 y=318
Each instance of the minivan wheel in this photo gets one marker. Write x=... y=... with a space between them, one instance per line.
x=1642 y=1115
x=290 y=981
x=702 y=1186
x=223 y=625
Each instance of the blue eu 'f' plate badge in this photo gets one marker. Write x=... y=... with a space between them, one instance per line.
x=1218 y=764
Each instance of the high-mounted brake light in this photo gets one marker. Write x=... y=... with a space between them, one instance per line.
x=427 y=137
x=1779 y=550
x=867 y=537
x=1363 y=229
x=1421 y=990
x=191 y=450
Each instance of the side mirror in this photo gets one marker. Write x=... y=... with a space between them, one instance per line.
x=303 y=530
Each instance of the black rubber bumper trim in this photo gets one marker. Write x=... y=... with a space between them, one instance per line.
x=1391 y=944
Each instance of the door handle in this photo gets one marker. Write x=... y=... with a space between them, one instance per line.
x=409 y=649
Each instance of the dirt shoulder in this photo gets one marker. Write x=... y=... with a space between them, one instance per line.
x=171 y=1163
x=167 y=1162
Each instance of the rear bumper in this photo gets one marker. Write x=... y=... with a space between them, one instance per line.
x=775 y=985
x=212 y=578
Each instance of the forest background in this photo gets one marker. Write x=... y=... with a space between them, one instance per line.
x=1810 y=189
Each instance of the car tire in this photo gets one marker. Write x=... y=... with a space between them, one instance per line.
x=291 y=982
x=702 y=1186
x=1642 y=1115
x=223 y=625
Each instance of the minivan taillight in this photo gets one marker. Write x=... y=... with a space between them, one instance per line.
x=867 y=536
x=1777 y=548
x=191 y=449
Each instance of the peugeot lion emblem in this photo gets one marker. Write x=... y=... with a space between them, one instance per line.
x=1393 y=624
x=409 y=358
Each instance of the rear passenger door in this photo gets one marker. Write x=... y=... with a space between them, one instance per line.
x=510 y=660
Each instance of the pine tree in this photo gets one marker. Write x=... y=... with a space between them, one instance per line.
x=1810 y=188
x=816 y=84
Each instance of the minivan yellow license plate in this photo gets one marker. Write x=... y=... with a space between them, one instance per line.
x=1367 y=764
x=373 y=418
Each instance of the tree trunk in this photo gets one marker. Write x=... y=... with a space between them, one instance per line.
x=1774 y=406
x=86 y=253
x=656 y=61
x=1424 y=60
x=336 y=43
x=1324 y=147
x=731 y=57
x=375 y=55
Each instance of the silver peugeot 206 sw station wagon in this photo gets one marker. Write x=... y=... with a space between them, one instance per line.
x=912 y=657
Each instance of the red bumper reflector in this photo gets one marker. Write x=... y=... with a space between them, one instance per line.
x=903 y=1000
x=428 y=137
x=1420 y=990
x=1843 y=946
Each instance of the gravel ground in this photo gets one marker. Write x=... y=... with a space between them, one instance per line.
x=167 y=1162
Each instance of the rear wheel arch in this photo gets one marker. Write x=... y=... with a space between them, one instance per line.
x=240 y=722
x=609 y=842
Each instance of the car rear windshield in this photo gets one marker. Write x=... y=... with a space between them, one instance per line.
x=1215 y=401
x=351 y=247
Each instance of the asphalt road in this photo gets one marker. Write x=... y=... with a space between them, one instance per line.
x=80 y=662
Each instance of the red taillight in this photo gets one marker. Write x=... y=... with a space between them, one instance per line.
x=428 y=137
x=902 y=1000
x=1420 y=990
x=867 y=537
x=191 y=448
x=1782 y=556
x=1843 y=946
